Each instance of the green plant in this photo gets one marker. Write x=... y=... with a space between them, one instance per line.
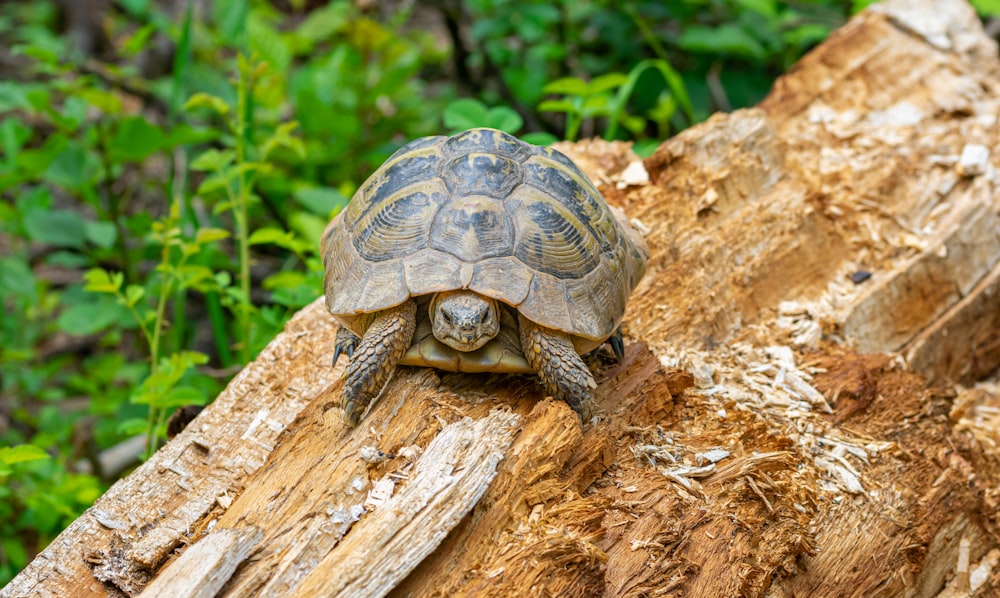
x=160 y=390
x=990 y=8
x=467 y=113
x=9 y=455
x=607 y=97
x=38 y=497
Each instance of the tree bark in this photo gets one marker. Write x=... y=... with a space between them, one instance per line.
x=787 y=421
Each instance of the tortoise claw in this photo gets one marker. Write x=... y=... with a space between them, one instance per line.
x=352 y=413
x=346 y=342
x=337 y=351
x=618 y=344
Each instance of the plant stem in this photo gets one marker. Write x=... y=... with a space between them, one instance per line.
x=240 y=213
x=154 y=349
x=646 y=32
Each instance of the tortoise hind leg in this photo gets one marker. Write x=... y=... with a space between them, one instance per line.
x=560 y=368
x=384 y=343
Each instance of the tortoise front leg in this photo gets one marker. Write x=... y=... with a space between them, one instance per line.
x=561 y=369
x=375 y=357
x=345 y=343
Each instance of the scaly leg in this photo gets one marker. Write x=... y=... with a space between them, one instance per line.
x=561 y=369
x=386 y=340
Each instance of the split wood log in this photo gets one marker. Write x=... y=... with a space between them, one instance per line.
x=743 y=446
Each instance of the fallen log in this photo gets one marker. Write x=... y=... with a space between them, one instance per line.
x=786 y=421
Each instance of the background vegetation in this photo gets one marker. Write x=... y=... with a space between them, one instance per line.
x=166 y=168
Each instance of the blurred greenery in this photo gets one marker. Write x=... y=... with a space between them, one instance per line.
x=167 y=168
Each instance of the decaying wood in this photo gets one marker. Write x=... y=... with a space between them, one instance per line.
x=206 y=566
x=785 y=422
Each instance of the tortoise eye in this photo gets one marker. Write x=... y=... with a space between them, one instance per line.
x=447 y=317
x=487 y=315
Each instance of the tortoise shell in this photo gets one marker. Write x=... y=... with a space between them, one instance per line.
x=484 y=211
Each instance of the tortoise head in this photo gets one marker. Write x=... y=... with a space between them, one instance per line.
x=464 y=320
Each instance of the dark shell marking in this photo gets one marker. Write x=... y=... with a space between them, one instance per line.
x=485 y=211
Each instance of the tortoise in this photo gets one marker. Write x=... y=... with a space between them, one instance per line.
x=477 y=253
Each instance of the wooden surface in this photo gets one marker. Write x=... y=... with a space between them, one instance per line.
x=775 y=429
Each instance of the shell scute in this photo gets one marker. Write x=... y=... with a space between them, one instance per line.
x=472 y=229
x=486 y=140
x=482 y=174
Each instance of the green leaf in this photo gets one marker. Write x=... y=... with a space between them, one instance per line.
x=282 y=137
x=13 y=96
x=105 y=101
x=540 y=138
x=14 y=550
x=204 y=100
x=504 y=119
x=595 y=106
x=99 y=280
x=645 y=148
x=324 y=22
x=73 y=167
x=44 y=55
x=269 y=235
x=464 y=113
x=308 y=227
x=186 y=135
x=267 y=43
x=811 y=33
x=132 y=426
x=17 y=279
x=36 y=161
x=102 y=234
x=183 y=395
x=71 y=116
x=213 y=159
x=155 y=390
x=288 y=279
x=724 y=39
x=606 y=82
x=138 y=41
x=231 y=18
x=571 y=86
x=61 y=228
x=558 y=106
x=209 y=235
x=192 y=275
x=89 y=317
x=768 y=8
x=987 y=7
x=22 y=453
x=222 y=206
x=13 y=135
x=215 y=184
x=249 y=167
x=134 y=294
x=135 y=139
x=319 y=200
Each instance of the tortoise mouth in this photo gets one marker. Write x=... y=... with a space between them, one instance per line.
x=465 y=342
